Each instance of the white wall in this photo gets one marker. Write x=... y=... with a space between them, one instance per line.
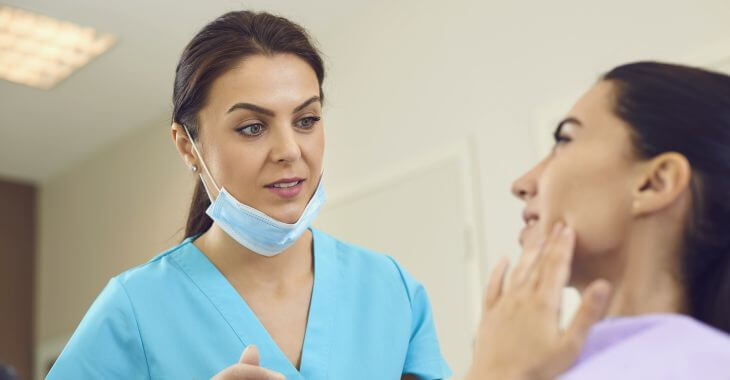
x=409 y=76
x=405 y=78
x=114 y=211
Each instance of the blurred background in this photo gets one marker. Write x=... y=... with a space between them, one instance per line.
x=433 y=108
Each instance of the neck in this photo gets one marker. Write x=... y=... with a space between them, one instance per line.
x=239 y=262
x=637 y=294
x=645 y=274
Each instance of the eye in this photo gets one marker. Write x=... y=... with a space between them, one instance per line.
x=307 y=122
x=251 y=130
x=560 y=138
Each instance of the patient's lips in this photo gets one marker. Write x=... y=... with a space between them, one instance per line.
x=530 y=218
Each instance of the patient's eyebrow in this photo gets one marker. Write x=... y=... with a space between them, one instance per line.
x=569 y=120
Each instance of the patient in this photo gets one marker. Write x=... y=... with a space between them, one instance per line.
x=640 y=176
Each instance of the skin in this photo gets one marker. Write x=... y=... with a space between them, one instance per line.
x=246 y=149
x=617 y=216
x=524 y=312
x=628 y=212
x=596 y=213
x=262 y=123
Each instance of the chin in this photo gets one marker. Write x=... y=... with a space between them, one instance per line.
x=533 y=237
x=289 y=216
x=285 y=218
x=290 y=220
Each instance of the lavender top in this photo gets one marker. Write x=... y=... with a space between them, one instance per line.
x=655 y=346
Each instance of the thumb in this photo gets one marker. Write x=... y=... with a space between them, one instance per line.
x=592 y=309
x=250 y=355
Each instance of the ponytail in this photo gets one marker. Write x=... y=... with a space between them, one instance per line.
x=198 y=221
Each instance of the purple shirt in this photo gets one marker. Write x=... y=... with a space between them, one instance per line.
x=656 y=346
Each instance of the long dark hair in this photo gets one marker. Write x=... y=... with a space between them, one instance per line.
x=214 y=50
x=673 y=108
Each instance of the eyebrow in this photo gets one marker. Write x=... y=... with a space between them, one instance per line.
x=567 y=120
x=262 y=110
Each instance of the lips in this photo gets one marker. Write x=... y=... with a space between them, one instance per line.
x=530 y=218
x=286 y=188
x=285 y=183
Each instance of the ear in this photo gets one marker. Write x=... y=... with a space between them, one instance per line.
x=662 y=182
x=183 y=145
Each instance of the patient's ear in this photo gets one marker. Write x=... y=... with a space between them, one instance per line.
x=661 y=182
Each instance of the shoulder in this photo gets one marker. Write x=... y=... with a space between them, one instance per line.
x=683 y=347
x=347 y=252
x=652 y=346
x=697 y=338
x=355 y=261
x=125 y=289
x=665 y=330
x=160 y=270
x=349 y=255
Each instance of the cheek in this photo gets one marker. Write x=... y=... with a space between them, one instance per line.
x=313 y=150
x=558 y=192
x=593 y=199
x=241 y=166
x=602 y=223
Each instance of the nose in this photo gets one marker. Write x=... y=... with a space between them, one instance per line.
x=285 y=147
x=525 y=187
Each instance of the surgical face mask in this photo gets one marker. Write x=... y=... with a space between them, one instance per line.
x=252 y=228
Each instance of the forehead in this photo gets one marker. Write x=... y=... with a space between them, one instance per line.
x=266 y=80
x=595 y=111
x=596 y=103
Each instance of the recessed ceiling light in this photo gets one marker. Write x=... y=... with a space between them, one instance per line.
x=40 y=51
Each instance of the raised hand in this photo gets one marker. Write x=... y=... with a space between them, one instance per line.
x=519 y=337
x=248 y=368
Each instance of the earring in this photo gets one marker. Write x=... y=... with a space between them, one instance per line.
x=194 y=168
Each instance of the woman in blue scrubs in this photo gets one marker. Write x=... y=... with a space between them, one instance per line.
x=251 y=272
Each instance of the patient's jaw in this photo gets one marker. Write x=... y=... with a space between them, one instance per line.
x=628 y=212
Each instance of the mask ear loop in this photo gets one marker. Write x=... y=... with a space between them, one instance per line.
x=205 y=167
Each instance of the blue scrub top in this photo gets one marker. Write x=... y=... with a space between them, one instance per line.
x=177 y=317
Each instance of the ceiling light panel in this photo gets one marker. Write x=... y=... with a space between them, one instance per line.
x=40 y=51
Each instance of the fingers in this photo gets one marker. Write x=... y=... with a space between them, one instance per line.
x=249 y=372
x=496 y=282
x=248 y=368
x=272 y=375
x=555 y=268
x=537 y=271
x=250 y=355
x=593 y=308
x=524 y=265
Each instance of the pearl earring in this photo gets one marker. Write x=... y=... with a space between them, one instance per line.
x=194 y=168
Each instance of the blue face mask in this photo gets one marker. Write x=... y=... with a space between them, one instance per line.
x=252 y=228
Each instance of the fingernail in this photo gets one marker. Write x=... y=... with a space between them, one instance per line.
x=557 y=227
x=567 y=231
x=600 y=294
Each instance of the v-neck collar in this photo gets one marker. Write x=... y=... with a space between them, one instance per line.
x=242 y=320
x=316 y=350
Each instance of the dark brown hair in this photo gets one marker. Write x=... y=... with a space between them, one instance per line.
x=214 y=50
x=673 y=108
